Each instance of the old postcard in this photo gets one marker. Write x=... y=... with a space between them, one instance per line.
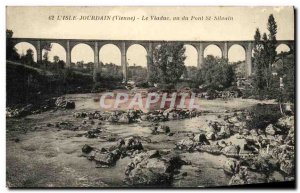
x=151 y=97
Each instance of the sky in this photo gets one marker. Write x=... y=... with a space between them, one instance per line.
x=33 y=22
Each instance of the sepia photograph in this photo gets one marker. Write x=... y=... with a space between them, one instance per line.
x=150 y=97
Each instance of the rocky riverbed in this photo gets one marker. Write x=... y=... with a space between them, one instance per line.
x=75 y=145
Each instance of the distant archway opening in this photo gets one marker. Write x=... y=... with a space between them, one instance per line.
x=282 y=48
x=213 y=50
x=236 y=53
x=82 y=56
x=137 y=63
x=110 y=61
x=22 y=49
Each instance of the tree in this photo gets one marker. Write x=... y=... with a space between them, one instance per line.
x=61 y=64
x=45 y=58
x=47 y=47
x=11 y=51
x=28 y=57
x=55 y=59
x=272 y=28
x=259 y=81
x=264 y=56
x=168 y=63
x=216 y=73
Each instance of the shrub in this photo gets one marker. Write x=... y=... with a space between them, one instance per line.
x=262 y=115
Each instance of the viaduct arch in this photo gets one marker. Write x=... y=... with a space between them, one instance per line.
x=123 y=45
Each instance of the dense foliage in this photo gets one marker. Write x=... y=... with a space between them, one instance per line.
x=216 y=73
x=168 y=63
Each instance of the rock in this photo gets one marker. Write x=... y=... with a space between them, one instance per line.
x=233 y=120
x=245 y=132
x=124 y=118
x=247 y=177
x=253 y=132
x=145 y=117
x=133 y=143
x=211 y=136
x=286 y=122
x=276 y=177
x=272 y=130
x=61 y=102
x=149 y=168
x=255 y=178
x=49 y=125
x=225 y=131
x=203 y=140
x=237 y=180
x=163 y=129
x=231 y=150
x=80 y=114
x=185 y=144
x=87 y=149
x=19 y=112
x=231 y=166
x=240 y=125
x=107 y=159
x=168 y=111
x=288 y=167
x=93 y=133
x=112 y=119
x=210 y=128
x=251 y=145
x=213 y=149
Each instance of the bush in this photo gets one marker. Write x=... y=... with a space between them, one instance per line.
x=216 y=73
x=262 y=115
x=142 y=85
x=186 y=84
x=165 y=86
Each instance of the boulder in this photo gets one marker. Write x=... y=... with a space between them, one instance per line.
x=133 y=143
x=253 y=132
x=87 y=149
x=211 y=136
x=225 y=129
x=213 y=149
x=80 y=114
x=168 y=111
x=62 y=103
x=19 y=112
x=271 y=130
x=231 y=150
x=144 y=117
x=231 y=166
x=288 y=167
x=233 y=120
x=112 y=119
x=237 y=180
x=256 y=178
x=246 y=176
x=124 y=118
x=185 y=144
x=107 y=159
x=286 y=122
x=203 y=140
x=149 y=168
x=163 y=129
x=93 y=133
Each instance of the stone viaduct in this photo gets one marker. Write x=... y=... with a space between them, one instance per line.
x=123 y=45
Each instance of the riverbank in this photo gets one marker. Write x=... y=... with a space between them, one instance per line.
x=45 y=149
